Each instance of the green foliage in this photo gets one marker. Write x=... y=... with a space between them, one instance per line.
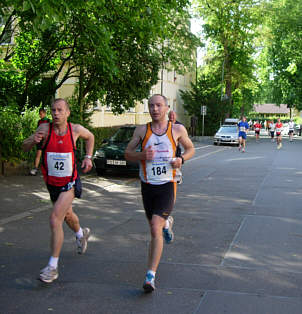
x=206 y=93
x=14 y=128
x=283 y=81
x=230 y=28
x=113 y=49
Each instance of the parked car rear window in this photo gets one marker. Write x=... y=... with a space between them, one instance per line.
x=123 y=135
x=228 y=129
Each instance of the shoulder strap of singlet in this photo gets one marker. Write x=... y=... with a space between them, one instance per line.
x=74 y=152
x=147 y=134
x=71 y=136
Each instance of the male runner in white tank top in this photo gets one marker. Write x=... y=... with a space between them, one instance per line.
x=158 y=162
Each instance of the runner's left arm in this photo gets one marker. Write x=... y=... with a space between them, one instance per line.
x=88 y=137
x=187 y=144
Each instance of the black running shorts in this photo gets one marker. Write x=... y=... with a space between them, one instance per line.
x=54 y=191
x=158 y=199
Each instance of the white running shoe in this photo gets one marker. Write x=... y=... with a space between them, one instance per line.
x=82 y=242
x=49 y=274
x=33 y=172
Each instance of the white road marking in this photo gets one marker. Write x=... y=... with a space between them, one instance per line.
x=206 y=155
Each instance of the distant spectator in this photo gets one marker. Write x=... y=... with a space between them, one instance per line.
x=271 y=126
x=257 y=127
x=291 y=126
x=43 y=119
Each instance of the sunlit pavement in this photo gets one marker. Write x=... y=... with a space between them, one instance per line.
x=237 y=249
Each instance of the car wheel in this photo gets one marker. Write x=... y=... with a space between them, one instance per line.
x=215 y=143
x=100 y=171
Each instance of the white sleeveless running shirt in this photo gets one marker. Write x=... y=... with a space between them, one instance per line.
x=159 y=170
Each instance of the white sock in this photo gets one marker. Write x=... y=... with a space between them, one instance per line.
x=167 y=224
x=79 y=234
x=151 y=272
x=53 y=262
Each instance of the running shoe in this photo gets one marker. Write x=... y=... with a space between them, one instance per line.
x=279 y=146
x=33 y=172
x=49 y=274
x=243 y=150
x=168 y=233
x=149 y=284
x=239 y=147
x=178 y=176
x=82 y=242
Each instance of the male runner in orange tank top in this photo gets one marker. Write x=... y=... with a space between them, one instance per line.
x=158 y=162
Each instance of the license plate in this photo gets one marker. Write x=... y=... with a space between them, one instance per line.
x=116 y=162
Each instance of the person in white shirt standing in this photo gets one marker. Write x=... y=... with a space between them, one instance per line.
x=291 y=126
x=272 y=130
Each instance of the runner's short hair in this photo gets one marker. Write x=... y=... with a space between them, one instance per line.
x=164 y=98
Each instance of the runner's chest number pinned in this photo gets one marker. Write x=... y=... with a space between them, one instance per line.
x=159 y=171
x=59 y=164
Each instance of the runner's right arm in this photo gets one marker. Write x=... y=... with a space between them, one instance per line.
x=39 y=136
x=131 y=154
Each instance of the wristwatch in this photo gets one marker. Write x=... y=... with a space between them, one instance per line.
x=88 y=156
x=182 y=160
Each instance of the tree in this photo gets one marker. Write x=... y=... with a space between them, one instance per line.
x=206 y=92
x=284 y=52
x=114 y=49
x=231 y=27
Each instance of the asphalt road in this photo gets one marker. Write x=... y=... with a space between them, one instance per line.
x=237 y=249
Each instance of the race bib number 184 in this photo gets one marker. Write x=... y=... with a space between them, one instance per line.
x=159 y=171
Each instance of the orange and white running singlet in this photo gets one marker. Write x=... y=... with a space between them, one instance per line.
x=159 y=170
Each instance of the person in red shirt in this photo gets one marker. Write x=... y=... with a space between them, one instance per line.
x=61 y=177
x=43 y=119
x=279 y=128
x=257 y=128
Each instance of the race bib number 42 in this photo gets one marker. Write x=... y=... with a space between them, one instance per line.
x=59 y=164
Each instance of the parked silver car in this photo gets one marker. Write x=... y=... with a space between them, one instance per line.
x=227 y=134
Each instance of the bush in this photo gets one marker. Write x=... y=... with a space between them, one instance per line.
x=14 y=128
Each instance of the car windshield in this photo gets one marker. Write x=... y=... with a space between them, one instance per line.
x=228 y=129
x=123 y=135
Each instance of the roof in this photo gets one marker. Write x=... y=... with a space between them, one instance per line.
x=271 y=108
